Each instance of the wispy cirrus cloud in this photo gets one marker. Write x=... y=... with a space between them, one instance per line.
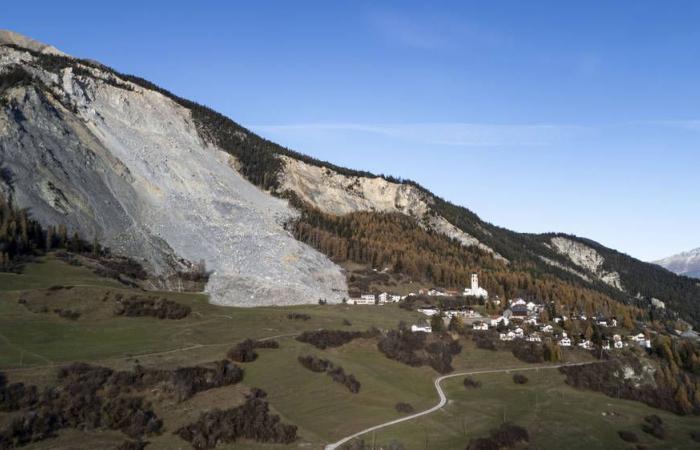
x=429 y=31
x=687 y=124
x=447 y=134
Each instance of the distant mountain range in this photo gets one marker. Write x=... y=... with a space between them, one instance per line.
x=686 y=263
x=171 y=183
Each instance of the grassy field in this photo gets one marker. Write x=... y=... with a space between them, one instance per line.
x=557 y=416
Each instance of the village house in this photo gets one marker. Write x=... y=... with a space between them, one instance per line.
x=365 y=299
x=480 y=326
x=617 y=341
x=436 y=293
x=422 y=328
x=507 y=336
x=531 y=321
x=534 y=337
x=428 y=310
x=519 y=333
x=641 y=340
x=565 y=341
x=547 y=329
x=586 y=344
x=499 y=319
x=383 y=297
x=475 y=290
x=519 y=308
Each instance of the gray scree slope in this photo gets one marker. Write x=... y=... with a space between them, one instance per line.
x=128 y=166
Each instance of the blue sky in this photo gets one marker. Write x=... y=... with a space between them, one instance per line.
x=539 y=116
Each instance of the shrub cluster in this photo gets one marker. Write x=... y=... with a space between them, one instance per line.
x=337 y=373
x=505 y=436
x=324 y=339
x=298 y=316
x=529 y=352
x=251 y=420
x=471 y=383
x=149 y=306
x=695 y=435
x=78 y=402
x=628 y=436
x=410 y=348
x=519 y=378
x=654 y=425
x=404 y=408
x=485 y=341
x=245 y=351
x=315 y=364
x=16 y=396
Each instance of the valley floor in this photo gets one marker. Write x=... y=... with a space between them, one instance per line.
x=34 y=344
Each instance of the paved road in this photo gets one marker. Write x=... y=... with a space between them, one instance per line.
x=443 y=398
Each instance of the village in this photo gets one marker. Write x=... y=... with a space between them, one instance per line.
x=518 y=319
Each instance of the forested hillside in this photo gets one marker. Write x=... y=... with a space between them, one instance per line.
x=404 y=245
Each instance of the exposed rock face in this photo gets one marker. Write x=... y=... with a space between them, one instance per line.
x=686 y=263
x=586 y=258
x=127 y=165
x=338 y=194
x=10 y=37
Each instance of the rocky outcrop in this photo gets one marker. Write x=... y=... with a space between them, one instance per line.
x=126 y=164
x=10 y=37
x=586 y=258
x=339 y=194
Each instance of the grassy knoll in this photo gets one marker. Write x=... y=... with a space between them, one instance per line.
x=32 y=343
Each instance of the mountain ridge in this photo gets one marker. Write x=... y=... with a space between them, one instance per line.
x=684 y=263
x=267 y=166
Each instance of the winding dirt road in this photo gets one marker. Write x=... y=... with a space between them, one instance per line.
x=443 y=398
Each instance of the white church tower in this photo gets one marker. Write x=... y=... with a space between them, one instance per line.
x=475 y=290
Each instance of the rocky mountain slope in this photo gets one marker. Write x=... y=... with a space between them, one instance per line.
x=686 y=263
x=126 y=164
x=172 y=182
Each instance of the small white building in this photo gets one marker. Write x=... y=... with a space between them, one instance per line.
x=383 y=297
x=480 y=326
x=565 y=342
x=531 y=321
x=613 y=322
x=586 y=345
x=475 y=290
x=519 y=333
x=436 y=293
x=534 y=337
x=500 y=319
x=428 y=310
x=507 y=336
x=421 y=328
x=364 y=300
x=547 y=329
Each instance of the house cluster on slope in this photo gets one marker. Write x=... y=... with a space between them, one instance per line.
x=522 y=319
x=379 y=299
